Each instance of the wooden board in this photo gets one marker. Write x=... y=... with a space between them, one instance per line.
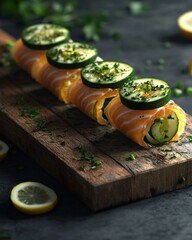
x=117 y=180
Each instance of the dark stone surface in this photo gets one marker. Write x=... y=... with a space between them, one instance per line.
x=167 y=216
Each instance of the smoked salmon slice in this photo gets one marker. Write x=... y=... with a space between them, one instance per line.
x=26 y=57
x=90 y=100
x=56 y=80
x=135 y=124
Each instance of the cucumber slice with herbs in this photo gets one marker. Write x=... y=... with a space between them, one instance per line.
x=163 y=129
x=71 y=55
x=44 y=36
x=106 y=74
x=145 y=93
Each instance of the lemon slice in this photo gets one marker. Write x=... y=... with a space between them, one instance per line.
x=3 y=150
x=185 y=24
x=33 y=198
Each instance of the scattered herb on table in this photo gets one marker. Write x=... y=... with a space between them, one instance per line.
x=5 y=236
x=87 y=156
x=93 y=25
x=29 y=112
x=131 y=157
x=138 y=8
x=167 y=44
x=59 y=12
x=116 y=36
x=161 y=63
x=82 y=168
x=180 y=89
x=190 y=138
x=188 y=91
x=172 y=156
x=177 y=92
x=181 y=180
x=25 y=110
x=42 y=125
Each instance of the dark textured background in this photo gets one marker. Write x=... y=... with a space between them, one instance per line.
x=167 y=216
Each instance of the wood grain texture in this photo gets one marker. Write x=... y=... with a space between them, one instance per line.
x=117 y=180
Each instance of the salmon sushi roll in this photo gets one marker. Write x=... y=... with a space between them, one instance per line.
x=34 y=42
x=61 y=67
x=91 y=100
x=99 y=84
x=153 y=121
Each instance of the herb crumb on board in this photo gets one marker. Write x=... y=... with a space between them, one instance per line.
x=88 y=157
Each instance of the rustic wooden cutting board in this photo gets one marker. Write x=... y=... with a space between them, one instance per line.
x=58 y=149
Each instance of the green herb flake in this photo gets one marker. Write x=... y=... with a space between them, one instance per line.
x=181 y=180
x=177 y=92
x=190 y=138
x=172 y=156
x=167 y=45
x=29 y=112
x=188 y=91
x=42 y=125
x=138 y=8
x=179 y=85
x=5 y=236
x=82 y=168
x=87 y=156
x=131 y=157
x=93 y=25
x=116 y=37
x=161 y=61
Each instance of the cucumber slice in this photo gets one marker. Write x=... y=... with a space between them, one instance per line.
x=164 y=129
x=106 y=74
x=106 y=102
x=71 y=55
x=145 y=93
x=150 y=139
x=44 y=36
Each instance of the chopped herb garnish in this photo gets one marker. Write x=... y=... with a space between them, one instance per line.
x=167 y=44
x=93 y=25
x=172 y=156
x=179 y=85
x=82 y=168
x=177 y=92
x=181 y=180
x=131 y=157
x=188 y=91
x=161 y=61
x=87 y=156
x=138 y=8
x=29 y=112
x=190 y=138
x=5 y=236
x=116 y=37
x=42 y=125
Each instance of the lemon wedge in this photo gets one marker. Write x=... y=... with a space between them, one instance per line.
x=3 y=150
x=185 y=24
x=33 y=198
